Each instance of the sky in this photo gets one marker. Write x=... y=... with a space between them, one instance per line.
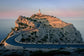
x=61 y=8
x=68 y=10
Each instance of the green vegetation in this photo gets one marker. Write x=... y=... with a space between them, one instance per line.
x=50 y=53
x=23 y=24
x=22 y=35
x=33 y=33
x=35 y=20
x=61 y=39
x=13 y=54
x=46 y=36
x=31 y=19
x=79 y=50
x=75 y=33
x=44 y=39
x=28 y=39
x=66 y=33
x=36 y=36
x=62 y=28
x=37 y=53
x=23 y=40
x=33 y=38
x=39 y=41
x=59 y=52
x=28 y=18
x=62 y=34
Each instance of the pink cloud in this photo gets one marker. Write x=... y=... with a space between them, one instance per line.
x=14 y=14
x=66 y=13
x=58 y=13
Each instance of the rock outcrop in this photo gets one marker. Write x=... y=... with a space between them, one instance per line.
x=46 y=29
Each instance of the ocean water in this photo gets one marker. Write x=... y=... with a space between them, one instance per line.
x=6 y=24
x=5 y=27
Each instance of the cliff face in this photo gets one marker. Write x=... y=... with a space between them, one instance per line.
x=46 y=29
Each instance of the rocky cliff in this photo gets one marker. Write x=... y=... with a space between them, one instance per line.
x=46 y=29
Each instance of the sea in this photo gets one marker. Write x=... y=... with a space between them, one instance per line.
x=5 y=27
x=7 y=24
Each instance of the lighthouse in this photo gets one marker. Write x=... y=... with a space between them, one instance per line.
x=39 y=12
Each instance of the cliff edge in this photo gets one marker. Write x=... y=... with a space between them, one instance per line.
x=47 y=29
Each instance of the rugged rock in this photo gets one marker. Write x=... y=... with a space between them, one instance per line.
x=46 y=29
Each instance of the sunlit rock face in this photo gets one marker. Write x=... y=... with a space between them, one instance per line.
x=53 y=21
x=47 y=29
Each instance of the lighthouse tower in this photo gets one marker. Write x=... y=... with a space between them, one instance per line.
x=39 y=12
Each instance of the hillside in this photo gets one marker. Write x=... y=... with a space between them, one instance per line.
x=46 y=29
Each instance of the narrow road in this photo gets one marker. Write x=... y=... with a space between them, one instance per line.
x=12 y=41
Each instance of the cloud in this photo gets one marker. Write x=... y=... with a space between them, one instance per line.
x=66 y=12
x=77 y=12
x=15 y=13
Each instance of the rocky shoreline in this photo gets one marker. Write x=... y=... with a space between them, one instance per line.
x=57 y=52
